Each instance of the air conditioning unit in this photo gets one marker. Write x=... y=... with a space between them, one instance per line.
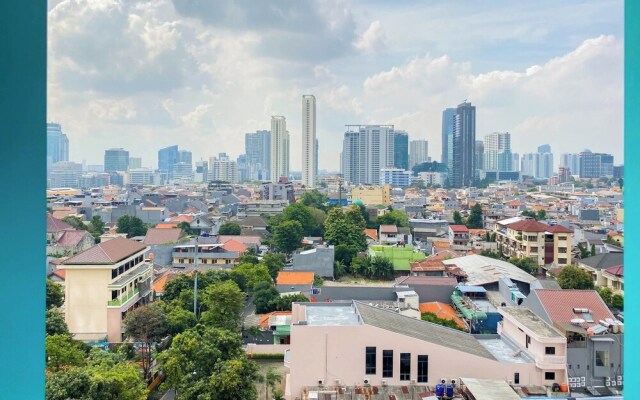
x=384 y=382
x=443 y=380
x=366 y=381
x=412 y=382
x=338 y=382
x=320 y=382
x=453 y=381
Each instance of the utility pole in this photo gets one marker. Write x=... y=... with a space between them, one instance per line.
x=195 y=281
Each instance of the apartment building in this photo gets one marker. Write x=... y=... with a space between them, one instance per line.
x=102 y=284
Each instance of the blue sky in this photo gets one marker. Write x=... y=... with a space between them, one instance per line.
x=148 y=74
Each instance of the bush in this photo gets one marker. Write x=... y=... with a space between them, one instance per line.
x=267 y=356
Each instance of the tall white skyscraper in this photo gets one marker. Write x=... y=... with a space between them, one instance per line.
x=223 y=168
x=309 y=142
x=418 y=152
x=366 y=149
x=279 y=148
x=571 y=161
x=497 y=152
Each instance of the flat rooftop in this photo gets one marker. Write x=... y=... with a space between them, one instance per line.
x=332 y=315
x=505 y=351
x=527 y=318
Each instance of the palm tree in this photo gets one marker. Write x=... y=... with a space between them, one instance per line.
x=270 y=378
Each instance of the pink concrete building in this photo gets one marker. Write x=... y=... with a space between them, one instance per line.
x=354 y=344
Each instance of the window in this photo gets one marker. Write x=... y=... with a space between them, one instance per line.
x=549 y=350
x=528 y=341
x=602 y=358
x=370 y=361
x=423 y=368
x=516 y=378
x=387 y=363
x=549 y=376
x=405 y=366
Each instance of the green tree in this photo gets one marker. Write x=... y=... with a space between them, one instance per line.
x=541 y=215
x=55 y=323
x=264 y=294
x=344 y=254
x=96 y=227
x=71 y=384
x=246 y=276
x=198 y=365
x=617 y=301
x=620 y=182
x=225 y=301
x=575 y=278
x=271 y=378
x=433 y=318
x=146 y=324
x=339 y=269
x=288 y=236
x=131 y=225
x=283 y=303
x=117 y=381
x=346 y=228
x=381 y=267
x=248 y=258
x=606 y=294
x=186 y=228
x=593 y=249
x=584 y=253
x=492 y=254
x=475 y=220
x=274 y=262
x=526 y=264
x=302 y=214
x=75 y=222
x=314 y=199
x=230 y=228
x=179 y=320
x=318 y=217
x=396 y=217
x=55 y=294
x=457 y=218
x=64 y=351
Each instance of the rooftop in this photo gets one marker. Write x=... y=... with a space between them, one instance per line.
x=109 y=252
x=331 y=315
x=505 y=351
x=157 y=236
x=294 y=278
x=482 y=270
x=527 y=318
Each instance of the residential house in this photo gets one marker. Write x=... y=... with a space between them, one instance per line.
x=290 y=282
x=527 y=238
x=594 y=336
x=459 y=238
x=606 y=270
x=388 y=235
x=64 y=239
x=161 y=242
x=102 y=284
x=207 y=255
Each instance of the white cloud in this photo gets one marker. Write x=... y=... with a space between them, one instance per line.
x=372 y=40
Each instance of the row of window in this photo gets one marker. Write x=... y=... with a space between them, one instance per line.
x=387 y=365
x=126 y=267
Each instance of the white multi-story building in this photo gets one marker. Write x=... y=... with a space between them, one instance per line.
x=202 y=172
x=571 y=161
x=366 y=149
x=537 y=165
x=433 y=178
x=140 y=176
x=279 y=148
x=223 y=168
x=497 y=152
x=418 y=152
x=309 y=142
x=395 y=177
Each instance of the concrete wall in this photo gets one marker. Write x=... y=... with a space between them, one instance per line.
x=86 y=298
x=338 y=352
x=581 y=361
x=320 y=261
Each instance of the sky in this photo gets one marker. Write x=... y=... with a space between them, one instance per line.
x=144 y=75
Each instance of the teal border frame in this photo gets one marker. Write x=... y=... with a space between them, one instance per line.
x=23 y=110
x=631 y=193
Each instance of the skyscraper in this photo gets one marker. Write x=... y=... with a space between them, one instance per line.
x=447 y=133
x=462 y=171
x=257 y=147
x=571 y=161
x=116 y=160
x=366 y=149
x=545 y=148
x=478 y=155
x=279 y=148
x=401 y=150
x=57 y=144
x=497 y=152
x=537 y=165
x=595 y=165
x=223 y=168
x=167 y=158
x=202 y=172
x=309 y=140
x=135 y=162
x=185 y=156
x=418 y=152
x=317 y=157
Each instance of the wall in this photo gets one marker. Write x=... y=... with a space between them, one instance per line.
x=86 y=298
x=320 y=262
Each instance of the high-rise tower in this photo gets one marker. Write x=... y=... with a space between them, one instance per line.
x=309 y=140
x=279 y=148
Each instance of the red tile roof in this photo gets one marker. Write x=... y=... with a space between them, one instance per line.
x=388 y=229
x=56 y=225
x=530 y=225
x=234 y=245
x=109 y=252
x=72 y=238
x=559 y=304
x=162 y=236
x=253 y=240
x=264 y=319
x=618 y=270
x=442 y=310
x=294 y=278
x=372 y=233
x=458 y=228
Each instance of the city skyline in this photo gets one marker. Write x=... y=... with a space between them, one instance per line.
x=201 y=82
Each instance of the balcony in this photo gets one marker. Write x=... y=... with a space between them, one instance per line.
x=123 y=299
x=551 y=362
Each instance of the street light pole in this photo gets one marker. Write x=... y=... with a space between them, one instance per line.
x=195 y=281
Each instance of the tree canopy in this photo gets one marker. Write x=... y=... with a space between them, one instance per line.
x=131 y=225
x=225 y=301
x=346 y=228
x=475 y=220
x=230 y=228
x=396 y=217
x=55 y=323
x=55 y=294
x=146 y=324
x=575 y=278
x=287 y=236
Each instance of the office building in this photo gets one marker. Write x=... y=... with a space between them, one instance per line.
x=462 y=171
x=223 y=169
x=183 y=171
x=135 y=162
x=202 y=172
x=595 y=165
x=537 y=165
x=418 y=152
x=571 y=161
x=317 y=158
x=545 y=148
x=497 y=152
x=257 y=147
x=309 y=140
x=167 y=158
x=65 y=174
x=396 y=177
x=618 y=171
x=401 y=150
x=57 y=144
x=365 y=150
x=185 y=156
x=564 y=174
x=515 y=161
x=140 y=176
x=116 y=160
x=447 y=134
x=243 y=168
x=478 y=156
x=279 y=148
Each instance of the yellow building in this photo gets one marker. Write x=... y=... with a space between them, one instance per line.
x=527 y=238
x=372 y=195
x=102 y=284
